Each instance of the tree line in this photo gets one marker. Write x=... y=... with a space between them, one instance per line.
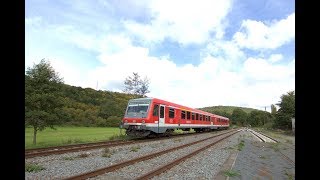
x=277 y=119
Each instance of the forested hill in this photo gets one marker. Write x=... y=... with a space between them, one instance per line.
x=86 y=106
x=89 y=107
x=227 y=109
x=81 y=106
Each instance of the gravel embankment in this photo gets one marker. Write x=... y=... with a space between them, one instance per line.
x=138 y=169
x=64 y=165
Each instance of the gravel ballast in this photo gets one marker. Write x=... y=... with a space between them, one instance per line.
x=69 y=164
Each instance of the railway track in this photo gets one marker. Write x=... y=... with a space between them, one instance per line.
x=88 y=146
x=161 y=169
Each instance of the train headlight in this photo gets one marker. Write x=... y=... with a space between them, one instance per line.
x=143 y=121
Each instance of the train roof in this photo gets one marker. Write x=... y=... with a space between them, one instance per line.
x=174 y=105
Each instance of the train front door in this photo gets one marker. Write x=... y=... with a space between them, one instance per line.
x=161 y=117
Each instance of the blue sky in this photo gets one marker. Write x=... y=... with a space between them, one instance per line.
x=196 y=53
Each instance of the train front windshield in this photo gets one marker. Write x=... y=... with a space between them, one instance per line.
x=137 y=109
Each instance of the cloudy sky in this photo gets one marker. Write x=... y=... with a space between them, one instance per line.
x=196 y=53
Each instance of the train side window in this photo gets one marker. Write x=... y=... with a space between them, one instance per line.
x=156 y=110
x=161 y=111
x=206 y=118
x=171 y=113
x=188 y=115
x=209 y=118
x=200 y=117
x=183 y=115
x=192 y=116
x=197 y=116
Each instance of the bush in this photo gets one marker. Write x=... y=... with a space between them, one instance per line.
x=113 y=121
x=100 y=122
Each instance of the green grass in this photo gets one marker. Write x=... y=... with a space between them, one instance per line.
x=71 y=135
x=231 y=173
x=179 y=131
x=241 y=145
x=33 y=168
x=275 y=146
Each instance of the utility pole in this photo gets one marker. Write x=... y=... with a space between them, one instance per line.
x=97 y=86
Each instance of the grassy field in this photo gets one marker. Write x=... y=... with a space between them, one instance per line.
x=70 y=135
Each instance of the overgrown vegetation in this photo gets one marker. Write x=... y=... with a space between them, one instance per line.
x=289 y=175
x=177 y=140
x=29 y=167
x=83 y=155
x=135 y=148
x=118 y=137
x=231 y=173
x=275 y=146
x=68 y=158
x=241 y=145
x=107 y=153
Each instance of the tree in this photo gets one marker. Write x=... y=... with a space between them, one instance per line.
x=258 y=118
x=144 y=87
x=239 y=116
x=273 y=109
x=135 y=85
x=286 y=111
x=110 y=108
x=42 y=98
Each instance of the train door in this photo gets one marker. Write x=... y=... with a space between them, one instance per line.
x=161 y=116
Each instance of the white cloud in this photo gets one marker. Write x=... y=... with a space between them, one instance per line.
x=182 y=21
x=262 y=70
x=257 y=35
x=275 y=58
x=257 y=82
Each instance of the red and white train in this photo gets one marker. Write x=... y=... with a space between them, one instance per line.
x=150 y=116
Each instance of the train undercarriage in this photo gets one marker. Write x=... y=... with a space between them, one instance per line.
x=139 y=131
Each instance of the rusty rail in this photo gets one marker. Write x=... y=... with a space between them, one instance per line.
x=135 y=160
x=176 y=162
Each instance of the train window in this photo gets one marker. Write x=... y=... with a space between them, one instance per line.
x=209 y=118
x=161 y=111
x=197 y=116
x=183 y=115
x=200 y=117
x=156 y=110
x=206 y=118
x=188 y=115
x=171 y=113
x=192 y=116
